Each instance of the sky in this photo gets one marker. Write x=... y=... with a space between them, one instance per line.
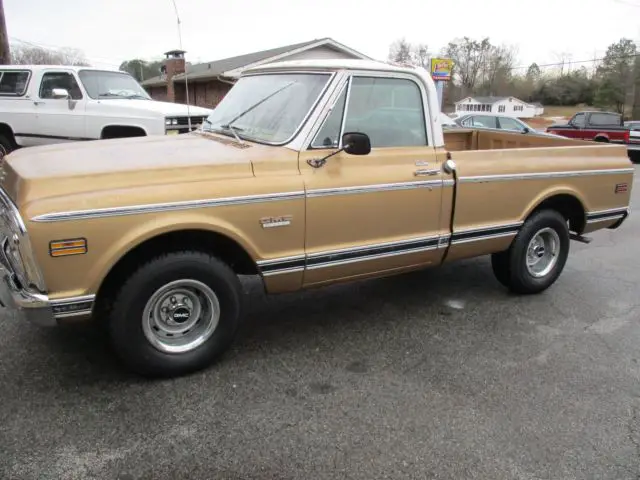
x=110 y=31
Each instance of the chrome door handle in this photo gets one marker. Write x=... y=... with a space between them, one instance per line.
x=424 y=172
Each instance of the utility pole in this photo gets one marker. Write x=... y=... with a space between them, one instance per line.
x=5 y=54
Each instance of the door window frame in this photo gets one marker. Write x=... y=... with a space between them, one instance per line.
x=346 y=83
x=59 y=71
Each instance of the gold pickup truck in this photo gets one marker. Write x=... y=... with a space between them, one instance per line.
x=308 y=173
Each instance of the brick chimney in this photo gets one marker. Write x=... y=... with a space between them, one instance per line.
x=174 y=64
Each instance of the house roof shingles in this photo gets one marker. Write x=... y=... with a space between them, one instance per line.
x=218 y=67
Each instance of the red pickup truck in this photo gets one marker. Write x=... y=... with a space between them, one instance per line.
x=599 y=127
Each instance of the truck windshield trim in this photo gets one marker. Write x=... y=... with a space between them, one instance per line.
x=246 y=131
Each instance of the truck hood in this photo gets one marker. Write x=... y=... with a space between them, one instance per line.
x=107 y=169
x=167 y=109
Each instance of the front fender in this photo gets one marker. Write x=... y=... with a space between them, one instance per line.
x=152 y=227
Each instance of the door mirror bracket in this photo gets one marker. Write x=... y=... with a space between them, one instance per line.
x=353 y=143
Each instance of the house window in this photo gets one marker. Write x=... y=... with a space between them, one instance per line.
x=501 y=109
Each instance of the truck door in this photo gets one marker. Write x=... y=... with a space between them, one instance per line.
x=58 y=118
x=378 y=212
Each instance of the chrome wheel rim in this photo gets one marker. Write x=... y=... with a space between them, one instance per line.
x=542 y=252
x=180 y=316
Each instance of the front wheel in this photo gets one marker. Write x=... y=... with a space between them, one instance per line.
x=537 y=255
x=175 y=314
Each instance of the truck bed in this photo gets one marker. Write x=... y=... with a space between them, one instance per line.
x=469 y=139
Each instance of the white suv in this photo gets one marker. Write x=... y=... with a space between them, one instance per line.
x=44 y=104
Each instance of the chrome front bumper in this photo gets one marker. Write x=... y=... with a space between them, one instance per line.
x=33 y=307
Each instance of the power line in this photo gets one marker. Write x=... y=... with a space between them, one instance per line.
x=593 y=60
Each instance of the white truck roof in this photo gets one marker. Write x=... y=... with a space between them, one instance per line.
x=75 y=68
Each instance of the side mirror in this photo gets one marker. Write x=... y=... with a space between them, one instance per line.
x=60 y=93
x=526 y=130
x=355 y=143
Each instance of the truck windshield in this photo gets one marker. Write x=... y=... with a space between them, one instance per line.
x=100 y=84
x=267 y=108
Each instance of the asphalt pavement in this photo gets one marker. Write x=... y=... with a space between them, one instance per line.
x=438 y=374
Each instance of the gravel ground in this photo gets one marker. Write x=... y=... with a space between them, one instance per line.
x=438 y=374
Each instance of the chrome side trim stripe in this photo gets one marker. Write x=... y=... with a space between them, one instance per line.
x=167 y=207
x=485 y=233
x=610 y=211
x=370 y=252
x=604 y=219
x=543 y=175
x=380 y=187
x=606 y=215
x=349 y=255
x=274 y=197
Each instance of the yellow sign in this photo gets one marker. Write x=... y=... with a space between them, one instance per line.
x=441 y=69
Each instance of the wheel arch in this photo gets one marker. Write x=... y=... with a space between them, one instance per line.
x=122 y=131
x=567 y=202
x=223 y=243
x=5 y=129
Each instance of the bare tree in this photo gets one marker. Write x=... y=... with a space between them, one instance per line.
x=22 y=54
x=470 y=60
x=498 y=66
x=401 y=51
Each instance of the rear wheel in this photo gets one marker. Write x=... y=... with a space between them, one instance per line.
x=537 y=255
x=176 y=314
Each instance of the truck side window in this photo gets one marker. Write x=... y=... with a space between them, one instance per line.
x=578 y=120
x=484 y=121
x=329 y=133
x=604 y=119
x=51 y=80
x=389 y=110
x=507 y=123
x=14 y=83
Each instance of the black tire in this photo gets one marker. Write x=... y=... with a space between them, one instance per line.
x=510 y=267
x=6 y=146
x=125 y=319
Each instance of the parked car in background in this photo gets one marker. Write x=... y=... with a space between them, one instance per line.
x=606 y=127
x=447 y=122
x=44 y=104
x=633 y=125
x=497 y=122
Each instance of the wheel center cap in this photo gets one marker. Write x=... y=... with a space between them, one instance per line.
x=181 y=314
x=539 y=251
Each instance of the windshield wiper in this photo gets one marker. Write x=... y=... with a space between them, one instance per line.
x=231 y=128
x=137 y=95
x=244 y=112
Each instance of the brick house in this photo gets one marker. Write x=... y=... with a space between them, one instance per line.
x=209 y=82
